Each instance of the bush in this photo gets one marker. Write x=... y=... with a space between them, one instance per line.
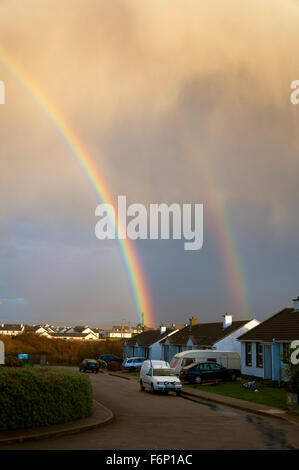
x=12 y=361
x=32 y=398
x=102 y=364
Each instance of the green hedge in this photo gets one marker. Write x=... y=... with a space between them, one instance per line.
x=40 y=397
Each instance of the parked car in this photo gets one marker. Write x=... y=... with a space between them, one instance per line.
x=206 y=371
x=133 y=363
x=110 y=358
x=229 y=359
x=89 y=365
x=157 y=375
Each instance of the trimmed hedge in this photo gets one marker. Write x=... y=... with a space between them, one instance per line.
x=40 y=397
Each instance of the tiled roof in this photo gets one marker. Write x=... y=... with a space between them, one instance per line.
x=205 y=334
x=69 y=335
x=283 y=326
x=79 y=328
x=11 y=327
x=148 y=337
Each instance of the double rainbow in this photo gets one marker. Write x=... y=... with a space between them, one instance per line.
x=130 y=258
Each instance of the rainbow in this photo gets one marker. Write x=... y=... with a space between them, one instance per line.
x=228 y=247
x=130 y=258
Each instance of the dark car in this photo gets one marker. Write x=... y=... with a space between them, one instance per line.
x=110 y=358
x=89 y=365
x=206 y=371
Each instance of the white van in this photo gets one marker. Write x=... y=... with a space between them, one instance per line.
x=157 y=375
x=228 y=359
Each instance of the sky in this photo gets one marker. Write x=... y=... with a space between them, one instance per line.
x=176 y=102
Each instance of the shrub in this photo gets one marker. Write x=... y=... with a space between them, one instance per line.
x=12 y=361
x=39 y=397
x=102 y=364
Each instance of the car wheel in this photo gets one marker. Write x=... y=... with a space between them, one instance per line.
x=233 y=377
x=142 y=387
x=152 y=389
x=178 y=393
x=198 y=380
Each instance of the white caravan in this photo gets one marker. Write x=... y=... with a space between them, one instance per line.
x=228 y=359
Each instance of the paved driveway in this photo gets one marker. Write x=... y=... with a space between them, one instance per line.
x=146 y=421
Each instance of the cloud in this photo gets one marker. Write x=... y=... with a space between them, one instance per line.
x=175 y=103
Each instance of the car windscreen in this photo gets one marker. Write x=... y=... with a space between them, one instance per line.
x=163 y=372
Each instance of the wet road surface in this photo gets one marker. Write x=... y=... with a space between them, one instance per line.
x=146 y=421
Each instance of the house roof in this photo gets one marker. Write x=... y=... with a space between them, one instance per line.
x=205 y=334
x=147 y=338
x=283 y=326
x=69 y=335
x=34 y=328
x=11 y=327
x=80 y=328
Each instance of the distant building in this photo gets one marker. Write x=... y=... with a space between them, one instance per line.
x=74 y=336
x=115 y=334
x=11 y=329
x=37 y=330
x=80 y=329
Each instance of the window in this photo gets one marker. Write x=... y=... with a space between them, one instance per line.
x=204 y=367
x=259 y=355
x=248 y=353
x=174 y=362
x=215 y=366
x=187 y=361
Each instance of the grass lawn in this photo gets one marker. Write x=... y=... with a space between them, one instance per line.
x=270 y=396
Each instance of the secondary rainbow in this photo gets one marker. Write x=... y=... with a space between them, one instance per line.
x=228 y=247
x=132 y=263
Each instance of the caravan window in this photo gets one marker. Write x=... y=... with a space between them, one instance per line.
x=174 y=362
x=187 y=361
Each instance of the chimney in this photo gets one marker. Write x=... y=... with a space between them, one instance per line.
x=193 y=321
x=296 y=304
x=227 y=320
x=162 y=329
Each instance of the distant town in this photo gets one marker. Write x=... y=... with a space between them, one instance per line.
x=78 y=332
